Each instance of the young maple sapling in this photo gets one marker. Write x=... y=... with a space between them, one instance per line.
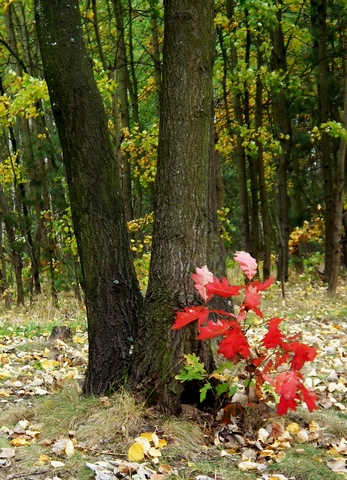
x=276 y=362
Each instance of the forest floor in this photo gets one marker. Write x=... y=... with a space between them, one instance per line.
x=49 y=431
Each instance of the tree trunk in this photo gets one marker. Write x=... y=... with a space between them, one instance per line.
x=284 y=134
x=264 y=204
x=182 y=216
x=15 y=249
x=319 y=26
x=339 y=197
x=112 y=294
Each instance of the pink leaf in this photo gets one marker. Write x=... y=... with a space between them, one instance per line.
x=201 y=278
x=247 y=264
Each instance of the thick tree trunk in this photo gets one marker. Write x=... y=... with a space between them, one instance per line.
x=182 y=212
x=112 y=294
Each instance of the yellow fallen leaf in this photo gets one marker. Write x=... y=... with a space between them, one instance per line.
x=78 y=339
x=293 y=428
x=313 y=426
x=136 y=452
x=69 y=448
x=4 y=393
x=154 y=452
x=43 y=459
x=19 y=442
x=48 y=364
x=280 y=457
x=148 y=436
x=144 y=442
x=161 y=443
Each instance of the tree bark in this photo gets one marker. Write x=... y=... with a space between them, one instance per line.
x=182 y=212
x=284 y=134
x=112 y=294
x=319 y=27
x=339 y=197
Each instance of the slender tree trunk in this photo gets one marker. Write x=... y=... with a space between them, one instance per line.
x=283 y=131
x=252 y=161
x=4 y=286
x=182 y=216
x=155 y=48
x=112 y=293
x=264 y=204
x=240 y=150
x=15 y=253
x=319 y=25
x=339 y=198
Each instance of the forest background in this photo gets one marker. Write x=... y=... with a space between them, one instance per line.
x=279 y=96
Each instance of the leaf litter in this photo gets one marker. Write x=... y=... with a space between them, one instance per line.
x=35 y=368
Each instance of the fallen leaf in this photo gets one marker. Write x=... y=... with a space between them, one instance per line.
x=337 y=465
x=293 y=428
x=7 y=452
x=43 y=459
x=63 y=446
x=277 y=429
x=19 y=442
x=136 y=452
x=144 y=442
x=248 y=466
x=263 y=435
x=313 y=426
x=56 y=464
x=154 y=452
x=302 y=436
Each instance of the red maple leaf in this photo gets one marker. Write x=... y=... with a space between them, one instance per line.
x=285 y=404
x=280 y=359
x=223 y=313
x=252 y=301
x=201 y=278
x=190 y=314
x=262 y=286
x=274 y=336
x=302 y=353
x=222 y=288
x=286 y=383
x=235 y=342
x=213 y=329
x=308 y=396
x=247 y=264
